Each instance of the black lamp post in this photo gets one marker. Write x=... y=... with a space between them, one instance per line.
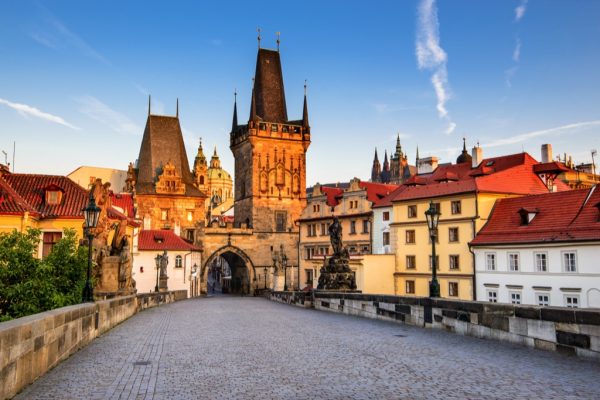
x=157 y=261
x=91 y=213
x=265 y=273
x=433 y=216
x=284 y=265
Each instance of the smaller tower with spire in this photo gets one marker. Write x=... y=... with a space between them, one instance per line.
x=200 y=168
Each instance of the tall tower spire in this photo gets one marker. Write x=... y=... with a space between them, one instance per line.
x=376 y=170
x=278 y=41
x=417 y=159
x=234 y=123
x=305 y=110
x=177 y=108
x=149 y=102
x=258 y=30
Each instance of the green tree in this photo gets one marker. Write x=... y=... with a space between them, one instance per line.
x=29 y=285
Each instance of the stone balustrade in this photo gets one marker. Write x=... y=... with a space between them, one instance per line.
x=567 y=330
x=32 y=345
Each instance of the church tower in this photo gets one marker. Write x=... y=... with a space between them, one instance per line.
x=200 y=167
x=270 y=154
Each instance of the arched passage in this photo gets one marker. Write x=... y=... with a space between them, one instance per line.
x=229 y=270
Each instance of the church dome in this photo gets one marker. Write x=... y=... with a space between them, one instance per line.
x=464 y=156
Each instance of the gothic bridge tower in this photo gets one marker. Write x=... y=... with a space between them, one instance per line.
x=270 y=154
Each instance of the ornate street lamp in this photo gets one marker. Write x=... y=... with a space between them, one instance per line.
x=265 y=274
x=157 y=260
x=91 y=214
x=433 y=216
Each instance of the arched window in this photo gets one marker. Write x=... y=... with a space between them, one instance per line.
x=178 y=262
x=202 y=180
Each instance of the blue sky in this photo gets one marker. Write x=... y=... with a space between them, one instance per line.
x=511 y=74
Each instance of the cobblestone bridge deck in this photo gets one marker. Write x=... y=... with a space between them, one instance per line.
x=250 y=348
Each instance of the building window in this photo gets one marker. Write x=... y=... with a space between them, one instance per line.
x=492 y=296
x=541 y=262
x=412 y=211
x=353 y=204
x=572 y=300
x=53 y=197
x=490 y=261
x=410 y=236
x=386 y=238
x=352 y=227
x=453 y=235
x=455 y=207
x=308 y=230
x=569 y=261
x=365 y=226
x=513 y=261
x=352 y=250
x=189 y=235
x=515 y=297
x=410 y=287
x=386 y=215
x=49 y=239
x=309 y=276
x=364 y=249
x=543 y=299
x=323 y=229
x=280 y=221
x=190 y=215
x=164 y=214
x=454 y=261
x=437 y=207
x=437 y=263
x=411 y=262
x=316 y=208
x=453 y=289
x=178 y=262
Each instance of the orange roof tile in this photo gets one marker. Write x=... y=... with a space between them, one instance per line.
x=163 y=240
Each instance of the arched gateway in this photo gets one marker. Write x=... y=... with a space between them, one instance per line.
x=229 y=270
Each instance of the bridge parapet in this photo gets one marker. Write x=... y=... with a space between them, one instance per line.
x=32 y=345
x=566 y=330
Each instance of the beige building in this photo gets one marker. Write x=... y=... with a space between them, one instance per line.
x=351 y=203
x=85 y=176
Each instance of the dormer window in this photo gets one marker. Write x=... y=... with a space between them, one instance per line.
x=489 y=163
x=53 y=195
x=527 y=215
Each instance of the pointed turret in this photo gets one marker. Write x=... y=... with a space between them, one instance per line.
x=417 y=158
x=385 y=173
x=305 y=110
x=215 y=162
x=253 y=105
x=200 y=158
x=464 y=156
x=399 y=154
x=386 y=164
x=234 y=123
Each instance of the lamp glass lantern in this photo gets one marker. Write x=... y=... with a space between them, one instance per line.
x=433 y=216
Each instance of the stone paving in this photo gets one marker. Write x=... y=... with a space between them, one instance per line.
x=251 y=348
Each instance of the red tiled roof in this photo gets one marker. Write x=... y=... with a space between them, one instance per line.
x=124 y=201
x=387 y=200
x=31 y=189
x=11 y=202
x=553 y=166
x=512 y=174
x=163 y=240
x=333 y=194
x=375 y=192
x=559 y=217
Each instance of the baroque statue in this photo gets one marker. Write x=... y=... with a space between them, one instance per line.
x=335 y=274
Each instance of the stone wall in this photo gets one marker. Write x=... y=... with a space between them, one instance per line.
x=566 y=330
x=32 y=345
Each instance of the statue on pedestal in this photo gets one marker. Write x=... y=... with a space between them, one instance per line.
x=335 y=274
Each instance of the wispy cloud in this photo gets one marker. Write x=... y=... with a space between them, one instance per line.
x=97 y=110
x=64 y=34
x=556 y=131
x=520 y=10
x=27 y=111
x=431 y=56
x=517 y=51
x=516 y=56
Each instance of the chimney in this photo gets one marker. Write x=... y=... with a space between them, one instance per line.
x=427 y=165
x=477 y=156
x=546 y=153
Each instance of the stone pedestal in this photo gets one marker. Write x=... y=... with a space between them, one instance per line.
x=162 y=284
x=108 y=275
x=337 y=275
x=278 y=282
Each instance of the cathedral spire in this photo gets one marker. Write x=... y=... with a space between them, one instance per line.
x=376 y=170
x=234 y=124
x=305 y=110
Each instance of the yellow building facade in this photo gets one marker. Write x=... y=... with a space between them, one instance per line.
x=465 y=195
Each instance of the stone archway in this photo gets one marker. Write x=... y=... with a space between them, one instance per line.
x=239 y=267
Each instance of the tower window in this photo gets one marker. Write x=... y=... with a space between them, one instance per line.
x=280 y=221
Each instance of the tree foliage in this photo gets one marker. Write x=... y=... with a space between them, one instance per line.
x=30 y=285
